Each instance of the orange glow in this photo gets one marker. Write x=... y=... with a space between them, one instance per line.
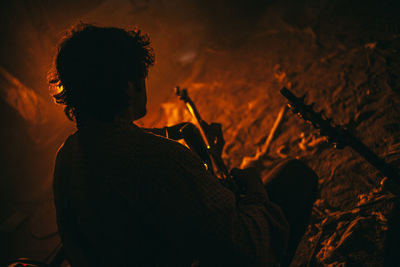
x=205 y=165
x=23 y=99
x=57 y=89
x=174 y=113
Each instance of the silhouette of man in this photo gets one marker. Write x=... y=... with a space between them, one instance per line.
x=127 y=197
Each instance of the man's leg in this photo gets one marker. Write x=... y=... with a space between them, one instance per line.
x=293 y=186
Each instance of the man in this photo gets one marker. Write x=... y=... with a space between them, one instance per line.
x=127 y=197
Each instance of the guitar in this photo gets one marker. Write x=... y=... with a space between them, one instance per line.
x=211 y=137
x=338 y=135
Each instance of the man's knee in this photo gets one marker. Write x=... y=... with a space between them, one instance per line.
x=302 y=170
x=294 y=177
x=305 y=177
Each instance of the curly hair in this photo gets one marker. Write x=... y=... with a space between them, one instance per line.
x=93 y=66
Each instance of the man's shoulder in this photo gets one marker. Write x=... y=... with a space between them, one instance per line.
x=66 y=146
x=168 y=151
x=166 y=147
x=128 y=147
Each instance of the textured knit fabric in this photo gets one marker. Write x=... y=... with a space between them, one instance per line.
x=126 y=197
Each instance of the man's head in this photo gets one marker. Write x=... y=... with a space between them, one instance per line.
x=101 y=71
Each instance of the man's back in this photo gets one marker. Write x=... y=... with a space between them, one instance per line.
x=127 y=197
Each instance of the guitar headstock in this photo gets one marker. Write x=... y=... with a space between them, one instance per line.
x=334 y=133
x=182 y=93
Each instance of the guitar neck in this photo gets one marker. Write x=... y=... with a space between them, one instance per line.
x=338 y=134
x=372 y=158
x=217 y=161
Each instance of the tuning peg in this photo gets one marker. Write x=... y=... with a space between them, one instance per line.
x=292 y=108
x=177 y=90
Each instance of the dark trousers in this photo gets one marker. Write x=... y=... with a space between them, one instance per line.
x=293 y=186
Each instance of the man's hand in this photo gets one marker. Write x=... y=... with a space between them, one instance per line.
x=173 y=132
x=215 y=136
x=249 y=179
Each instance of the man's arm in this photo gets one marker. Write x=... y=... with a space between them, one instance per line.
x=157 y=131
x=171 y=132
x=219 y=226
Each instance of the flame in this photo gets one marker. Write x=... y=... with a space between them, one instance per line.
x=175 y=113
x=29 y=105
